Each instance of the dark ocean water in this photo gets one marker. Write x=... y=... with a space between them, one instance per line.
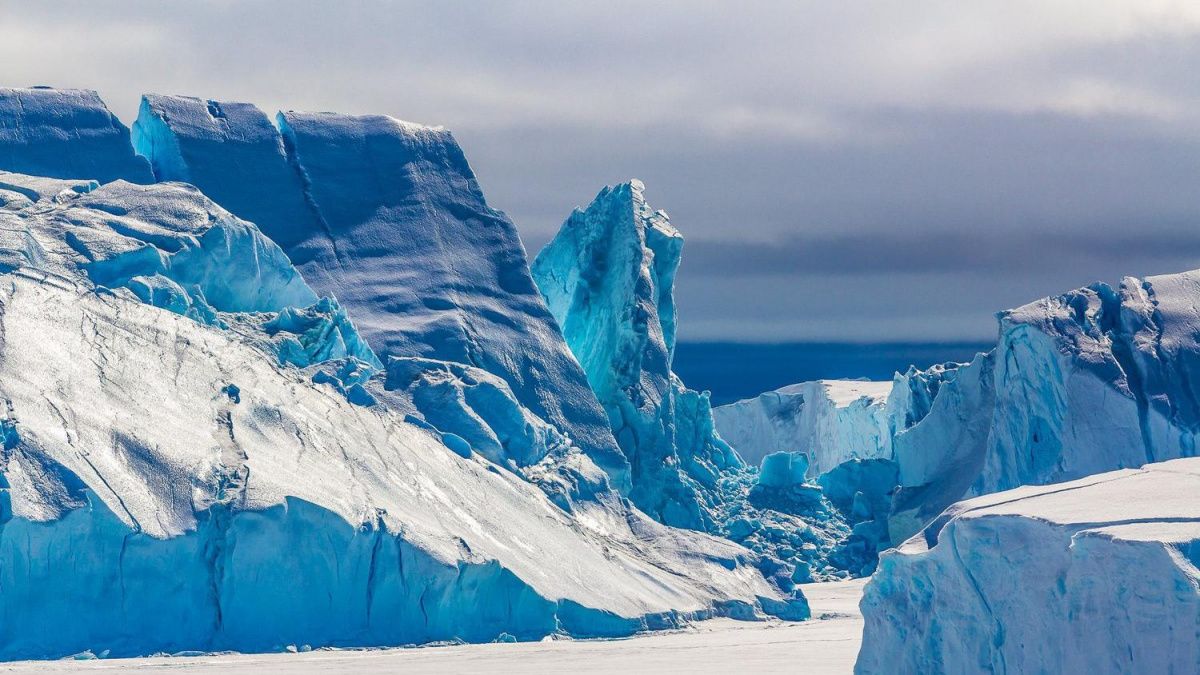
x=734 y=370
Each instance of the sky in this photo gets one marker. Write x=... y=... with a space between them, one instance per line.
x=865 y=171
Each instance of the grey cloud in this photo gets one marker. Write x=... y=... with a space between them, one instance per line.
x=950 y=252
x=1005 y=149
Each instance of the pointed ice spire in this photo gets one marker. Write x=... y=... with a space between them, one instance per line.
x=608 y=278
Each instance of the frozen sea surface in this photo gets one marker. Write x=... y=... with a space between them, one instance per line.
x=826 y=644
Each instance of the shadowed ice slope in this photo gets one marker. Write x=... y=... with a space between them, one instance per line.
x=65 y=133
x=387 y=217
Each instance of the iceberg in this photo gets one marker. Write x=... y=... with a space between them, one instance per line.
x=388 y=218
x=176 y=481
x=1090 y=381
x=1096 y=575
x=831 y=421
x=943 y=420
x=66 y=133
x=608 y=279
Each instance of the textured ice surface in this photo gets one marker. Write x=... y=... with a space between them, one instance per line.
x=1089 y=381
x=173 y=483
x=608 y=278
x=831 y=421
x=65 y=133
x=717 y=647
x=387 y=217
x=234 y=153
x=1096 y=575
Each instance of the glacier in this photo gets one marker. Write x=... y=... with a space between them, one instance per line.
x=168 y=470
x=387 y=217
x=371 y=399
x=1096 y=575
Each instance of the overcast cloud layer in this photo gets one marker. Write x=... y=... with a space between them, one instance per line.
x=883 y=171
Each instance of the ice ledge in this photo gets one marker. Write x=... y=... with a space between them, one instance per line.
x=1097 y=575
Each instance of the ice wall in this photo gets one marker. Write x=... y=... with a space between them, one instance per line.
x=66 y=133
x=1097 y=575
x=1089 y=381
x=234 y=153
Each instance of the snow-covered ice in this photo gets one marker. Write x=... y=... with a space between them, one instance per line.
x=1097 y=575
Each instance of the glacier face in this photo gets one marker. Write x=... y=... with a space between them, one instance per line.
x=608 y=278
x=66 y=133
x=1098 y=575
x=387 y=217
x=168 y=470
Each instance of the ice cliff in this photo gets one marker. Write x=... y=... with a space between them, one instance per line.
x=192 y=433
x=387 y=217
x=1093 y=380
x=1097 y=575
x=214 y=463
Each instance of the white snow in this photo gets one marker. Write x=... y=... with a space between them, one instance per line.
x=845 y=392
